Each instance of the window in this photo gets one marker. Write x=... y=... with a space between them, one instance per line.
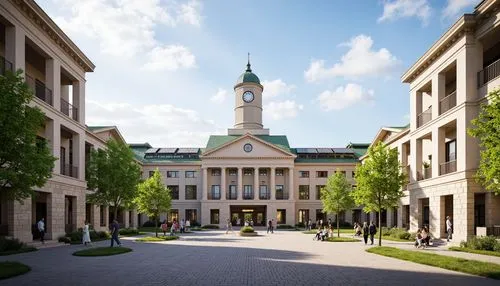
x=190 y=192
x=172 y=174
x=214 y=216
x=247 y=192
x=215 y=195
x=304 y=174
x=318 y=191
x=320 y=215
x=303 y=216
x=303 y=192
x=264 y=193
x=215 y=172
x=281 y=216
x=247 y=172
x=102 y=211
x=279 y=172
x=151 y=173
x=174 y=192
x=233 y=193
x=343 y=173
x=451 y=148
x=173 y=215
x=280 y=193
x=192 y=215
x=190 y=174
x=262 y=172
x=321 y=174
x=233 y=172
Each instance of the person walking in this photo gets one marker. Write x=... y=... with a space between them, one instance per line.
x=309 y=225
x=188 y=225
x=164 y=227
x=86 y=234
x=229 y=226
x=449 y=229
x=366 y=232
x=115 y=231
x=182 y=225
x=269 y=226
x=41 y=228
x=373 y=231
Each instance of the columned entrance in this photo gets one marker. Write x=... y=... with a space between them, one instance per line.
x=257 y=214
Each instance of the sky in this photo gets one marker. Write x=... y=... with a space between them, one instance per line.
x=165 y=69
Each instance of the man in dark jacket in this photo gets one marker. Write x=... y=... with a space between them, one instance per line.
x=373 y=231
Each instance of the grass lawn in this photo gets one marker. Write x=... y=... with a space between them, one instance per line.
x=387 y=237
x=342 y=230
x=342 y=239
x=485 y=269
x=10 y=269
x=484 y=252
x=156 y=239
x=102 y=251
x=22 y=250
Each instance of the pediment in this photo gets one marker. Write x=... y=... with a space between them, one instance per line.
x=259 y=149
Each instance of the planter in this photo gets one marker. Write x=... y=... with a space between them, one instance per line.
x=248 y=233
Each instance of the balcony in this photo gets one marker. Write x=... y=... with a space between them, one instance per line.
x=213 y=196
x=231 y=196
x=488 y=74
x=39 y=89
x=265 y=196
x=281 y=196
x=69 y=109
x=248 y=196
x=5 y=65
x=69 y=170
x=427 y=173
x=448 y=167
x=448 y=102
x=424 y=117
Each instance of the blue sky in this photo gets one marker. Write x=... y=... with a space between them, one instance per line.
x=165 y=70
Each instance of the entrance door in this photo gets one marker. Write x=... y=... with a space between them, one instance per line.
x=40 y=212
x=257 y=214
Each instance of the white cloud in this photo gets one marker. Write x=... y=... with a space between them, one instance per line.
x=360 y=60
x=453 y=8
x=343 y=97
x=276 y=87
x=282 y=109
x=124 y=28
x=220 y=96
x=160 y=125
x=406 y=8
x=170 y=58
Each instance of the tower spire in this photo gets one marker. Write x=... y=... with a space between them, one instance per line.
x=248 y=64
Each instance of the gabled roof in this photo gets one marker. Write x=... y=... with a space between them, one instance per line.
x=217 y=142
x=99 y=129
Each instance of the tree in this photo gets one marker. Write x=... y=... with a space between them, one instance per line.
x=114 y=174
x=486 y=127
x=336 y=196
x=379 y=181
x=153 y=198
x=25 y=159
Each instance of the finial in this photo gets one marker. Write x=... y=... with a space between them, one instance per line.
x=248 y=64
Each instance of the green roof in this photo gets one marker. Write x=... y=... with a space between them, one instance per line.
x=279 y=141
x=94 y=128
x=248 y=76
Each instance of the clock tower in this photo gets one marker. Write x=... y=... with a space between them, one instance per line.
x=248 y=105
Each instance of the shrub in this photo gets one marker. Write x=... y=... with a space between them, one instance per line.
x=76 y=236
x=150 y=224
x=285 y=226
x=247 y=229
x=482 y=243
x=128 y=231
x=64 y=239
x=300 y=225
x=210 y=226
x=103 y=235
x=194 y=223
x=10 y=244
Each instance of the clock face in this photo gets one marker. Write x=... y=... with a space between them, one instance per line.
x=248 y=96
x=247 y=147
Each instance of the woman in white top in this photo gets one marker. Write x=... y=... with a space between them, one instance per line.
x=86 y=234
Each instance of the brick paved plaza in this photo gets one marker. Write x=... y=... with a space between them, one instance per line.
x=214 y=258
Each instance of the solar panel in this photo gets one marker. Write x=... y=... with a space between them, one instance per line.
x=307 y=150
x=325 y=150
x=188 y=150
x=343 y=150
x=167 y=150
x=151 y=150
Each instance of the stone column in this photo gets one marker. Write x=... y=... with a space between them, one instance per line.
x=15 y=51
x=134 y=219
x=239 y=190
x=205 y=184
x=416 y=158
x=438 y=150
x=438 y=93
x=256 y=190
x=20 y=220
x=126 y=215
x=79 y=155
x=272 y=186
x=96 y=217
x=79 y=99
x=291 y=189
x=389 y=217
x=223 y=184
x=53 y=135
x=53 y=81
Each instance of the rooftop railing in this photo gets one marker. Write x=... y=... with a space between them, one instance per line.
x=424 y=117
x=448 y=102
x=488 y=74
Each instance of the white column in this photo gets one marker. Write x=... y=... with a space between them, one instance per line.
x=291 y=189
x=438 y=92
x=240 y=184
x=53 y=81
x=256 y=183
x=204 y=188
x=222 y=184
x=79 y=155
x=273 y=183
x=53 y=135
x=416 y=158
x=79 y=99
x=15 y=50
x=415 y=108
x=438 y=150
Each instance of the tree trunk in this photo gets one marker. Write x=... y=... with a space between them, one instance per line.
x=115 y=212
x=379 y=229
x=338 y=229
x=156 y=226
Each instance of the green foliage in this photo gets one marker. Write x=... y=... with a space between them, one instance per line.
x=247 y=229
x=489 y=243
x=483 y=252
x=75 y=237
x=342 y=239
x=11 y=268
x=157 y=238
x=10 y=246
x=486 y=127
x=153 y=197
x=379 y=181
x=64 y=239
x=102 y=251
x=128 y=231
x=25 y=160
x=285 y=226
x=114 y=174
x=210 y=226
x=397 y=233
